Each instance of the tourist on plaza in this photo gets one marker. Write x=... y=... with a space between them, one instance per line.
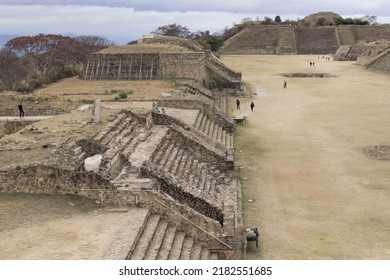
x=284 y=84
x=21 y=110
x=238 y=104
x=252 y=105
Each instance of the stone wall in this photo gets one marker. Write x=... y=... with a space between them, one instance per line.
x=10 y=127
x=134 y=66
x=41 y=179
x=276 y=39
x=186 y=65
x=352 y=34
x=262 y=39
x=319 y=40
x=381 y=62
x=138 y=66
x=35 y=111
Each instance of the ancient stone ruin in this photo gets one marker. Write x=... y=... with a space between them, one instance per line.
x=182 y=175
x=160 y=59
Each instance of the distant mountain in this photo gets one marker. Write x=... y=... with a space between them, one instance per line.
x=5 y=38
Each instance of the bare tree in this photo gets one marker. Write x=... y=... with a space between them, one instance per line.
x=11 y=70
x=94 y=43
x=173 y=30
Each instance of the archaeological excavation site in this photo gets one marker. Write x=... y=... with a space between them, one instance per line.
x=170 y=176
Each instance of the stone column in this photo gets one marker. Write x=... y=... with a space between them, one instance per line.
x=96 y=110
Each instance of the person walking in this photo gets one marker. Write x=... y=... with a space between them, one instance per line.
x=21 y=110
x=284 y=84
x=252 y=105
x=238 y=104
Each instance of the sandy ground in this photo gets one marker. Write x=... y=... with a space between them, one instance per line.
x=316 y=194
x=73 y=228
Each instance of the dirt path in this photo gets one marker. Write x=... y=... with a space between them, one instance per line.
x=316 y=194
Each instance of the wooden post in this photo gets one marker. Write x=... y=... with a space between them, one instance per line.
x=86 y=70
x=131 y=64
x=108 y=69
x=120 y=69
x=97 y=69
x=151 y=71
x=92 y=68
x=101 y=72
x=140 y=69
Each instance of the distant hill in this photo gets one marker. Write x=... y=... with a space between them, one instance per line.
x=5 y=38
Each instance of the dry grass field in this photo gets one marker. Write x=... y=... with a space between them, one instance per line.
x=316 y=194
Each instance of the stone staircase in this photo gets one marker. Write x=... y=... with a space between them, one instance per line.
x=196 y=88
x=158 y=239
x=211 y=128
x=196 y=175
x=222 y=70
x=320 y=40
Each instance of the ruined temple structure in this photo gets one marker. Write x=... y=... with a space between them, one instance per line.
x=181 y=174
x=161 y=57
x=372 y=55
x=258 y=38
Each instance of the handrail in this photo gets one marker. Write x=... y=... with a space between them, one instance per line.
x=177 y=213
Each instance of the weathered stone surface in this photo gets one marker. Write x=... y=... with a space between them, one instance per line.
x=93 y=163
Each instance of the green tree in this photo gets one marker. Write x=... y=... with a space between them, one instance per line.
x=278 y=19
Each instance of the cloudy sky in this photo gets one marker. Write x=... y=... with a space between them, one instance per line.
x=126 y=20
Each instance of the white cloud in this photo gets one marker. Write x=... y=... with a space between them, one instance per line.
x=303 y=7
x=126 y=20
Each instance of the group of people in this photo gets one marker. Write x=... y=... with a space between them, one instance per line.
x=312 y=63
x=252 y=105
x=157 y=110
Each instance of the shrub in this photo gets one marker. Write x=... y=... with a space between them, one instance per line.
x=122 y=94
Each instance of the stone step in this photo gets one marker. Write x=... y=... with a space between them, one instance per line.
x=177 y=246
x=211 y=130
x=125 y=136
x=206 y=126
x=130 y=146
x=146 y=237
x=126 y=173
x=166 y=245
x=157 y=241
x=178 y=162
x=160 y=151
x=180 y=171
x=149 y=142
x=187 y=248
x=110 y=127
x=171 y=159
x=202 y=180
x=202 y=121
x=189 y=168
x=223 y=137
x=218 y=133
x=165 y=156
x=195 y=252
x=215 y=131
x=116 y=131
x=198 y=118
x=204 y=253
